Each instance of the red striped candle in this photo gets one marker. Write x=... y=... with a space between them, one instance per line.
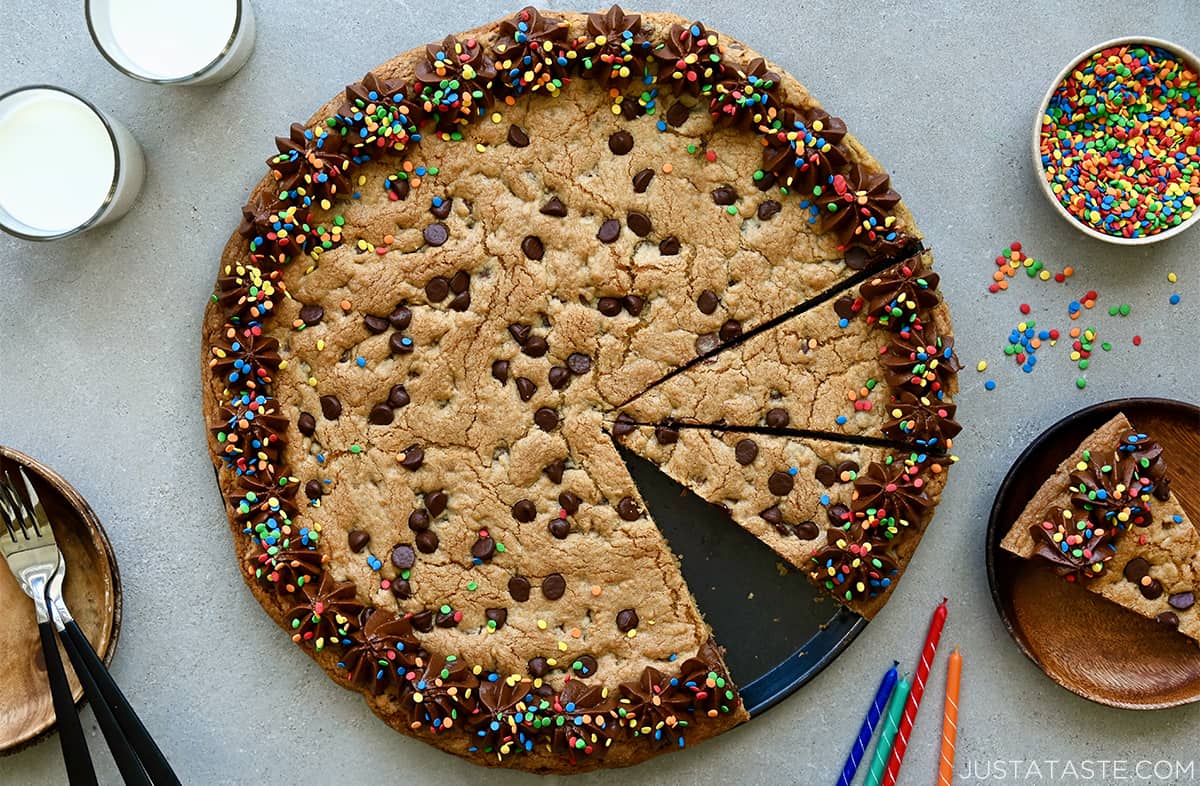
x=914 y=697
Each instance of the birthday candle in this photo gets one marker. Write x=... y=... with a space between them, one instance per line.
x=914 y=698
x=868 y=727
x=891 y=723
x=950 y=721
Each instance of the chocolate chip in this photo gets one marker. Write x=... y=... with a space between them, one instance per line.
x=331 y=407
x=633 y=304
x=554 y=207
x=402 y=588
x=666 y=434
x=518 y=588
x=500 y=371
x=707 y=302
x=745 y=451
x=414 y=457
x=461 y=301
x=403 y=556
x=427 y=541
x=437 y=289
x=569 y=502
x=447 y=619
x=724 y=195
x=641 y=181
x=422 y=621
x=772 y=515
x=398 y=397
x=358 y=540
x=826 y=475
x=780 y=483
x=460 y=282
x=707 y=342
x=844 y=307
x=1168 y=618
x=730 y=330
x=586 y=665
x=554 y=586
x=517 y=136
x=1182 y=600
x=526 y=387
x=401 y=317
x=1137 y=569
x=554 y=470
x=609 y=231
x=483 y=549
x=638 y=223
x=857 y=258
x=519 y=332
x=532 y=247
x=778 y=417
x=441 y=209
x=381 y=415
x=579 y=363
x=628 y=509
x=400 y=187
x=627 y=620
x=837 y=514
x=546 y=419
x=435 y=503
x=624 y=425
x=559 y=377
x=766 y=182
x=677 y=115
x=524 y=511
x=306 y=424
x=669 y=246
x=400 y=344
x=768 y=210
x=609 y=306
x=559 y=528
x=620 y=143
x=1151 y=588
x=418 y=520
x=311 y=314
x=375 y=324
x=436 y=234
x=497 y=615
x=847 y=468
x=535 y=347
x=538 y=667
x=807 y=530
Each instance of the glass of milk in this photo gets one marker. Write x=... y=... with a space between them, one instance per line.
x=173 y=42
x=65 y=166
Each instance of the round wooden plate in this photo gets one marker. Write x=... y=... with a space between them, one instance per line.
x=1083 y=642
x=93 y=593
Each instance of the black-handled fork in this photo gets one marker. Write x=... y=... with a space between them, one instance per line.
x=33 y=558
x=137 y=756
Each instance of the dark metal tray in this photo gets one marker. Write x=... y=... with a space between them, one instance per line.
x=779 y=631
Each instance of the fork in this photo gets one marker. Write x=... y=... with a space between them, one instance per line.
x=137 y=756
x=33 y=558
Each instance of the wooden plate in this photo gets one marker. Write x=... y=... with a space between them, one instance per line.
x=1085 y=643
x=93 y=593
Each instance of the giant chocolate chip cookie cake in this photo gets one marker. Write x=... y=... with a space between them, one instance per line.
x=465 y=281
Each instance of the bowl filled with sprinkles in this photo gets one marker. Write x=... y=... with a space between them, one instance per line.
x=1116 y=144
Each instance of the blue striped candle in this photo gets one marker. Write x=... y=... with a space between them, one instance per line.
x=868 y=728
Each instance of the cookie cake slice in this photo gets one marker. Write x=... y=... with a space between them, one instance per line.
x=1107 y=520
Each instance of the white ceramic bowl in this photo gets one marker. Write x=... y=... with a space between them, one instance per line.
x=1175 y=49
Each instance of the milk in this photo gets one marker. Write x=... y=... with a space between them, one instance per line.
x=56 y=161
x=166 y=39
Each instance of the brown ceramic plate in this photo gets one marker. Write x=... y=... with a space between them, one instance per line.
x=1089 y=645
x=92 y=591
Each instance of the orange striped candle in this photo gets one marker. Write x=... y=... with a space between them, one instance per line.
x=950 y=720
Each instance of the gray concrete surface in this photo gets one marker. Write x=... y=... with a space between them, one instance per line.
x=99 y=346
